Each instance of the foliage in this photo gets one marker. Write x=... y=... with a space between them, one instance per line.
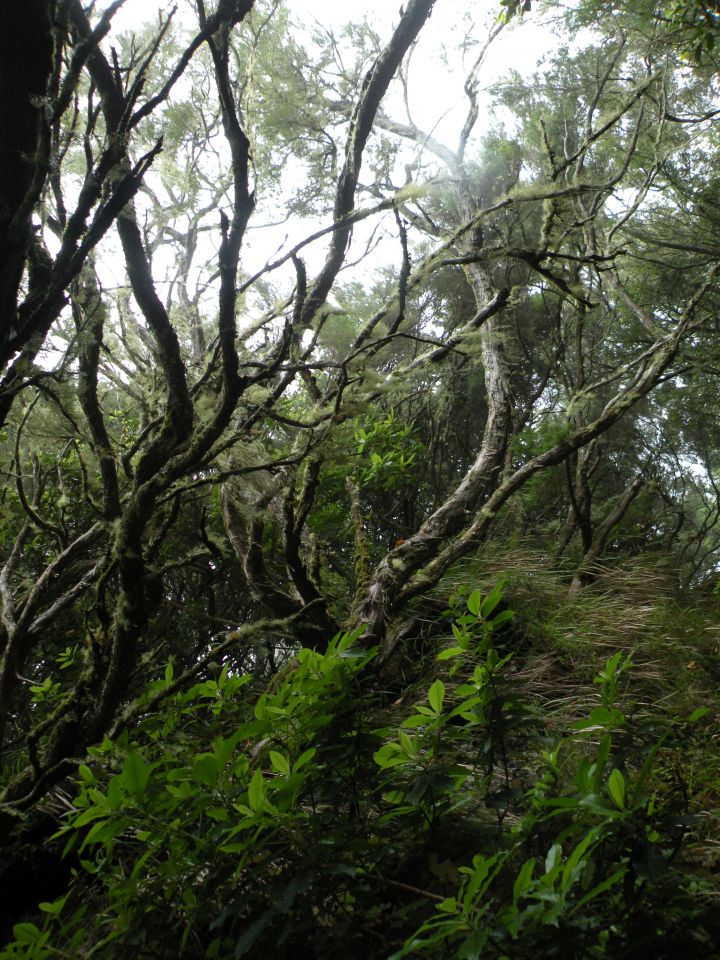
x=606 y=886
x=285 y=355
x=309 y=823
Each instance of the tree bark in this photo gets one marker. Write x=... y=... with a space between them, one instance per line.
x=27 y=68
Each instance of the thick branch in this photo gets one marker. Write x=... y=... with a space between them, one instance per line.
x=374 y=87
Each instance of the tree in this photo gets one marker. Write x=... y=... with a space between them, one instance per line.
x=210 y=466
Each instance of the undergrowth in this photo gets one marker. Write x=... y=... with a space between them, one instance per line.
x=511 y=804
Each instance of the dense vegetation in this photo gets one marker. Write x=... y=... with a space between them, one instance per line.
x=358 y=586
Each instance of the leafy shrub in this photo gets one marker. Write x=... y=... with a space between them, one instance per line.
x=316 y=818
x=602 y=883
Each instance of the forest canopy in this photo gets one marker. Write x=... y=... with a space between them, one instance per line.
x=299 y=382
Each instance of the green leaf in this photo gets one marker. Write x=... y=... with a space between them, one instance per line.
x=55 y=907
x=88 y=776
x=280 y=763
x=389 y=756
x=570 y=873
x=206 y=769
x=408 y=745
x=223 y=748
x=492 y=600
x=698 y=714
x=473 y=946
x=418 y=790
x=483 y=872
x=553 y=858
x=448 y=906
x=523 y=881
x=419 y=719
x=135 y=774
x=304 y=758
x=436 y=695
x=597 y=805
x=115 y=792
x=598 y=719
x=601 y=760
x=449 y=653
x=502 y=618
x=474 y=602
x=256 y=791
x=246 y=940
x=461 y=635
x=103 y=831
x=87 y=816
x=26 y=932
x=601 y=888
x=616 y=789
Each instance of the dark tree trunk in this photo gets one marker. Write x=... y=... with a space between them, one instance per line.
x=26 y=70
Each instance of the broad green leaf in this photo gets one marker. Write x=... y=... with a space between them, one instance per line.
x=616 y=788
x=182 y=792
x=303 y=759
x=570 y=874
x=248 y=937
x=389 y=756
x=502 y=618
x=87 y=816
x=473 y=946
x=115 y=792
x=393 y=796
x=449 y=653
x=601 y=759
x=55 y=907
x=256 y=791
x=582 y=775
x=104 y=830
x=474 y=602
x=461 y=635
x=206 y=769
x=135 y=774
x=280 y=763
x=26 y=932
x=88 y=776
x=223 y=748
x=419 y=719
x=598 y=719
x=492 y=600
x=425 y=711
x=448 y=906
x=553 y=858
x=483 y=872
x=610 y=668
x=408 y=745
x=418 y=790
x=523 y=881
x=606 y=884
x=436 y=695
x=596 y=804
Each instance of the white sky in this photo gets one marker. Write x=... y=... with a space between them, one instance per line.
x=438 y=102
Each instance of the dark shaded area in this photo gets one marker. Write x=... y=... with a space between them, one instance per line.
x=26 y=67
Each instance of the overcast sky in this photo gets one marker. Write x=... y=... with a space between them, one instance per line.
x=439 y=101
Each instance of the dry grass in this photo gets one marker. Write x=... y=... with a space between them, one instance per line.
x=633 y=607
